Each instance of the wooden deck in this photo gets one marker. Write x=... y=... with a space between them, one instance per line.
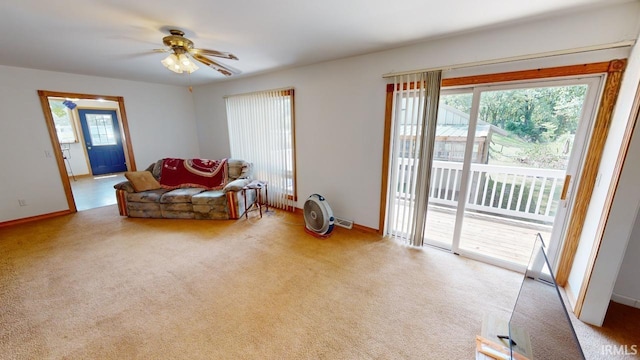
x=493 y=236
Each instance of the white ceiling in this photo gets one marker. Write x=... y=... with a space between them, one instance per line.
x=115 y=38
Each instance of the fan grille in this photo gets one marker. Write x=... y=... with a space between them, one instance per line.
x=313 y=216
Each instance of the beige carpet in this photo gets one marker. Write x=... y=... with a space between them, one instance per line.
x=94 y=285
x=618 y=338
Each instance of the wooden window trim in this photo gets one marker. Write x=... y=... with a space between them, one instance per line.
x=614 y=70
x=294 y=166
x=613 y=187
x=535 y=74
x=281 y=93
x=590 y=173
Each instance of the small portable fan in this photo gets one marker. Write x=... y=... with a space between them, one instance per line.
x=318 y=217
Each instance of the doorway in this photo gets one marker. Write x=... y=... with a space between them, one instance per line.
x=109 y=126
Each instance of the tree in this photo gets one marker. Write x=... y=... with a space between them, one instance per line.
x=538 y=115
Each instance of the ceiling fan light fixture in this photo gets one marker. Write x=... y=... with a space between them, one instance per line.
x=170 y=61
x=179 y=63
x=183 y=55
x=186 y=64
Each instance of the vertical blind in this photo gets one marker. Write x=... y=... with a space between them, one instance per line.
x=414 y=116
x=261 y=131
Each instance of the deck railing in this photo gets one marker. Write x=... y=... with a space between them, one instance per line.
x=514 y=192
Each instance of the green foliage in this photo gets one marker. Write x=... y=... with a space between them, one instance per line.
x=58 y=109
x=461 y=102
x=543 y=156
x=512 y=150
x=538 y=115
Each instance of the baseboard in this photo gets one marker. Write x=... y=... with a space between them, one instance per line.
x=34 y=218
x=571 y=299
x=625 y=300
x=365 y=228
x=299 y=211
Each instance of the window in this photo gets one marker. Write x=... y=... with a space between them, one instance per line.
x=63 y=120
x=101 y=129
x=262 y=131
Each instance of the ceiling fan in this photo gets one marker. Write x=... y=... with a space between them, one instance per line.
x=182 y=48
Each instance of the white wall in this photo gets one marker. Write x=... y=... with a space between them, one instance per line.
x=161 y=122
x=623 y=211
x=627 y=288
x=339 y=127
x=340 y=104
x=75 y=159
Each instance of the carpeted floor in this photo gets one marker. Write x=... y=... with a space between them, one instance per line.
x=94 y=285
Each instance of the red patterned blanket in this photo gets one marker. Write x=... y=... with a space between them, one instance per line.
x=209 y=174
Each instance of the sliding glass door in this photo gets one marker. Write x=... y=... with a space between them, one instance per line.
x=454 y=113
x=505 y=164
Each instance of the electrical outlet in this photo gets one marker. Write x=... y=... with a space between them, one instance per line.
x=22 y=202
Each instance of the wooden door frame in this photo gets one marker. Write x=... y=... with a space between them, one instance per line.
x=613 y=188
x=44 y=96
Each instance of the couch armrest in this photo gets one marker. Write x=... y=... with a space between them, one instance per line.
x=124 y=185
x=236 y=185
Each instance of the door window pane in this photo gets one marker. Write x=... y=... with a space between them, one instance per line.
x=452 y=128
x=515 y=189
x=101 y=129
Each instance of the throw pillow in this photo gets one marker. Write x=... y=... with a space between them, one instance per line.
x=236 y=185
x=142 y=180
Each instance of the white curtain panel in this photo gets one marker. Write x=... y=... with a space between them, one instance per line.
x=261 y=131
x=414 y=117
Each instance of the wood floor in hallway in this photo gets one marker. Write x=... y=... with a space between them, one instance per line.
x=91 y=192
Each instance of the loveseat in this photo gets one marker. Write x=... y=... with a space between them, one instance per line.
x=146 y=195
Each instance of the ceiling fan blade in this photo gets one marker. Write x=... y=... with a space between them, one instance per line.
x=162 y=50
x=212 y=64
x=220 y=54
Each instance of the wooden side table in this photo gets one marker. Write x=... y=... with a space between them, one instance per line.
x=257 y=186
